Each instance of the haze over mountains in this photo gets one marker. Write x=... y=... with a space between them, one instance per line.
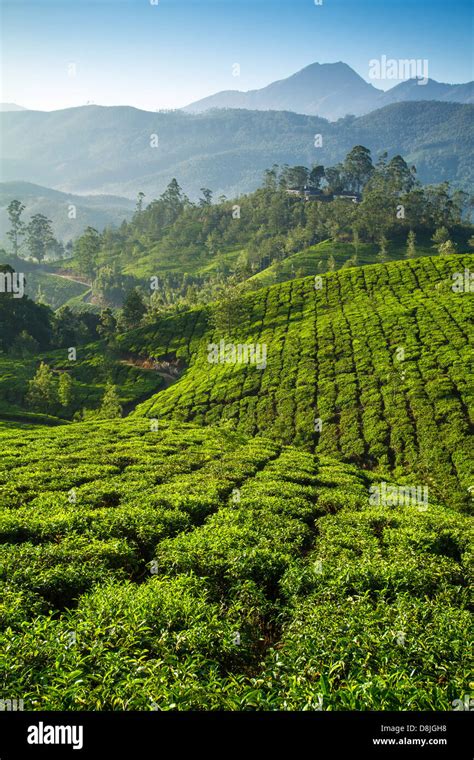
x=331 y=90
x=98 y=211
x=94 y=149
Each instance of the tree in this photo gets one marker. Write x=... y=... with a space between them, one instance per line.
x=230 y=310
x=382 y=255
x=270 y=180
x=107 y=327
x=86 y=250
x=65 y=389
x=39 y=236
x=297 y=177
x=440 y=237
x=173 y=201
x=65 y=328
x=447 y=248
x=17 y=226
x=356 y=241
x=110 y=407
x=139 y=203
x=133 y=310
x=316 y=176
x=42 y=394
x=358 y=167
x=25 y=344
x=411 y=245
x=400 y=175
x=206 y=199
x=335 y=178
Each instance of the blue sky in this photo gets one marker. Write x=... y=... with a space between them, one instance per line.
x=62 y=53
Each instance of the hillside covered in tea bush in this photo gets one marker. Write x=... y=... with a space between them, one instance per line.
x=221 y=546
x=174 y=567
x=381 y=355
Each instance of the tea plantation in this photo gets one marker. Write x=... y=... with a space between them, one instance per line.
x=380 y=355
x=221 y=546
x=174 y=567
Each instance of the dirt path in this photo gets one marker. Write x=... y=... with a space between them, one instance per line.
x=70 y=278
x=85 y=297
x=152 y=366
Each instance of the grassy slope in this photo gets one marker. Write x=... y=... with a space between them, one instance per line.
x=332 y=355
x=132 y=557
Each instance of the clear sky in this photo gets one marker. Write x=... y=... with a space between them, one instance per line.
x=62 y=53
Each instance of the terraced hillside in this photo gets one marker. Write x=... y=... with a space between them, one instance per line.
x=379 y=356
x=151 y=565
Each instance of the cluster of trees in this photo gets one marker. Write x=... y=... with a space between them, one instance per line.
x=35 y=238
x=271 y=223
x=350 y=176
x=265 y=226
x=46 y=392
x=50 y=392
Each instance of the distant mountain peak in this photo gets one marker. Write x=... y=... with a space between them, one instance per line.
x=330 y=90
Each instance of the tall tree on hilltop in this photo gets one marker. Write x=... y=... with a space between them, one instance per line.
x=17 y=226
x=65 y=389
x=174 y=201
x=206 y=199
x=440 y=237
x=39 y=236
x=316 y=176
x=358 y=168
x=401 y=177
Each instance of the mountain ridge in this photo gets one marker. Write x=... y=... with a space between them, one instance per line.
x=226 y=150
x=332 y=91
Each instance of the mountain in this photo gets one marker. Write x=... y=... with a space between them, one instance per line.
x=90 y=210
x=11 y=107
x=95 y=149
x=331 y=90
x=411 y=90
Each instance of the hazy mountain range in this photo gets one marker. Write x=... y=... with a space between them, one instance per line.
x=70 y=213
x=94 y=149
x=118 y=151
x=331 y=90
